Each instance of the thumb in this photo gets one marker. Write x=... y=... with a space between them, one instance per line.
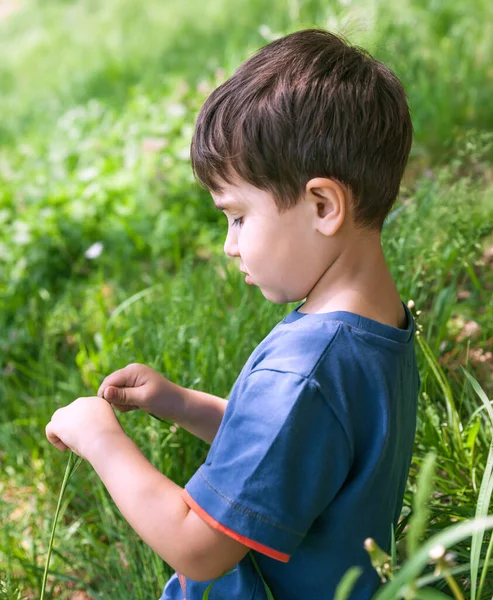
x=117 y=395
x=120 y=398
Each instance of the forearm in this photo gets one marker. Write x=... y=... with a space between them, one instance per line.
x=202 y=414
x=149 y=501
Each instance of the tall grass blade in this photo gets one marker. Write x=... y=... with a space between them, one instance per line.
x=432 y=577
x=484 y=498
x=257 y=568
x=129 y=301
x=445 y=387
x=210 y=586
x=485 y=566
x=393 y=547
x=480 y=392
x=421 y=511
x=347 y=583
x=413 y=567
x=430 y=594
x=69 y=469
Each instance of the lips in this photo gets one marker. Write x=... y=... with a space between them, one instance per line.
x=248 y=279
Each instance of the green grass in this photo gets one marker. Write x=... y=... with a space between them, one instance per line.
x=97 y=104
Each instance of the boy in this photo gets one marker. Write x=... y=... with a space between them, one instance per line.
x=303 y=148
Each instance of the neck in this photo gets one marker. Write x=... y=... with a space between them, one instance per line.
x=356 y=280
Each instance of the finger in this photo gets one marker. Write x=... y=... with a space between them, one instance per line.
x=113 y=379
x=54 y=439
x=120 y=408
x=121 y=396
x=114 y=394
x=123 y=377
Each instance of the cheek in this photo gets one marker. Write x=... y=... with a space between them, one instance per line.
x=249 y=240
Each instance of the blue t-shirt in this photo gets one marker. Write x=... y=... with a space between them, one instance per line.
x=311 y=457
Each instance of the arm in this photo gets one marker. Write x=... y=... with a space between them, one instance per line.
x=201 y=413
x=139 y=386
x=152 y=504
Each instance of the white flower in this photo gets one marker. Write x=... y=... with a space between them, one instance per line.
x=94 y=251
x=176 y=110
x=437 y=552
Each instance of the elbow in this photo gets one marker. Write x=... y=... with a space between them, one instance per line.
x=203 y=568
x=198 y=572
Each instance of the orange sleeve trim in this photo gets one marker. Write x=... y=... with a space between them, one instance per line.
x=232 y=534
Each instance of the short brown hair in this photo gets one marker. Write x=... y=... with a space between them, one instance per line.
x=308 y=105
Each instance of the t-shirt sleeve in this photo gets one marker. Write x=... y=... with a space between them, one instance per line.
x=278 y=460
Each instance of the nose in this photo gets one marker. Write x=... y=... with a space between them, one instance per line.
x=231 y=244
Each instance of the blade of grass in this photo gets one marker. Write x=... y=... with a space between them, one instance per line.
x=447 y=538
x=486 y=564
x=393 y=547
x=431 y=578
x=257 y=568
x=347 y=583
x=129 y=301
x=445 y=387
x=421 y=511
x=484 y=497
x=430 y=594
x=209 y=587
x=71 y=466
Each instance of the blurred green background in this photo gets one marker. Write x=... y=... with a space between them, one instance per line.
x=110 y=253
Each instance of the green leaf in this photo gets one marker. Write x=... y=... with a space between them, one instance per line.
x=484 y=497
x=421 y=511
x=209 y=587
x=430 y=594
x=266 y=587
x=442 y=381
x=69 y=469
x=132 y=300
x=393 y=547
x=472 y=434
x=413 y=567
x=347 y=583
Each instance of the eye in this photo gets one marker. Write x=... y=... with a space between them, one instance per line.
x=238 y=222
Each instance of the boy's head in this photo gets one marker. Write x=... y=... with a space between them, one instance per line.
x=308 y=106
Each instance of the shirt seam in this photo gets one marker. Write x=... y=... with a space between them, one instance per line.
x=394 y=347
x=400 y=343
x=316 y=386
x=245 y=510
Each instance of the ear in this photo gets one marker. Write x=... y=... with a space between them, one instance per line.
x=329 y=199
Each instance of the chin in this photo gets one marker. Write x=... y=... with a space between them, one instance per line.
x=281 y=297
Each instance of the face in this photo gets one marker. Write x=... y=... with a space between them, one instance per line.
x=282 y=253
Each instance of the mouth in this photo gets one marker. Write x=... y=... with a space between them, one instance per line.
x=248 y=279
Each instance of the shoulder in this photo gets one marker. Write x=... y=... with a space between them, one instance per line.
x=297 y=348
x=292 y=373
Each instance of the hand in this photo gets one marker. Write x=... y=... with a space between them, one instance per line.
x=138 y=386
x=80 y=424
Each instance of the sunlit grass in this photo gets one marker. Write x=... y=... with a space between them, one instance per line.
x=94 y=130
